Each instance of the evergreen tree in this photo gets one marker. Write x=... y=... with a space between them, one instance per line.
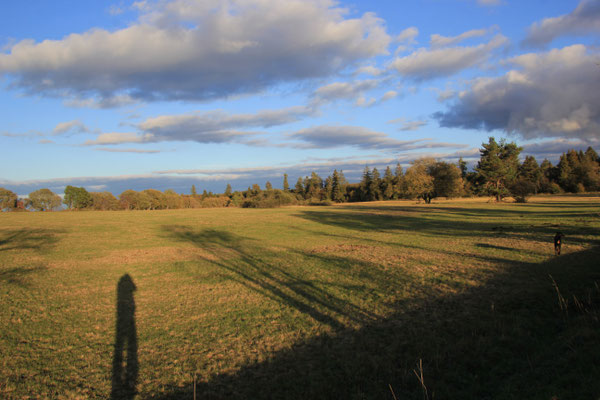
x=365 y=185
x=566 y=174
x=193 y=192
x=462 y=164
x=498 y=166
x=530 y=171
x=375 y=187
x=268 y=186
x=398 y=177
x=387 y=184
x=299 y=188
x=591 y=155
x=328 y=189
x=286 y=185
x=228 y=190
x=343 y=187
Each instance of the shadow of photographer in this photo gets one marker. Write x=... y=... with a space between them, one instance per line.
x=125 y=359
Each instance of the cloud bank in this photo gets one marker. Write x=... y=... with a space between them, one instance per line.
x=585 y=19
x=548 y=94
x=183 y=50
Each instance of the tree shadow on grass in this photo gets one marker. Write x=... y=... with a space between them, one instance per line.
x=258 y=270
x=390 y=219
x=26 y=238
x=125 y=358
x=17 y=275
x=531 y=331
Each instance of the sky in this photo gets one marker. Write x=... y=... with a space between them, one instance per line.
x=116 y=95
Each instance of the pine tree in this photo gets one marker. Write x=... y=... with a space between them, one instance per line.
x=375 y=188
x=365 y=185
x=530 y=171
x=462 y=164
x=328 y=189
x=286 y=185
x=398 y=177
x=387 y=184
x=228 y=190
x=194 y=194
x=299 y=188
x=498 y=166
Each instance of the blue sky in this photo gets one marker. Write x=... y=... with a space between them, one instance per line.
x=165 y=94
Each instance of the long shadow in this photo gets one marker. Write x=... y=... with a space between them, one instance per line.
x=26 y=238
x=389 y=219
x=511 y=338
x=242 y=259
x=17 y=275
x=125 y=359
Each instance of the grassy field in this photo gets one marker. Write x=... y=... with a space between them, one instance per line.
x=453 y=300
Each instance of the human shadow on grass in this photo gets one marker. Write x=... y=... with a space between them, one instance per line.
x=125 y=359
x=27 y=238
x=530 y=331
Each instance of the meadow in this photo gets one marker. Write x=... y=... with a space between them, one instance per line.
x=458 y=299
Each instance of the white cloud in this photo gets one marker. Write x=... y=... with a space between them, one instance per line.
x=437 y=41
x=205 y=127
x=118 y=138
x=128 y=150
x=74 y=126
x=585 y=19
x=390 y=94
x=182 y=50
x=548 y=94
x=425 y=64
x=407 y=36
x=343 y=91
x=406 y=125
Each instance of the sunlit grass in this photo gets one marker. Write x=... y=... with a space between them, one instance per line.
x=306 y=302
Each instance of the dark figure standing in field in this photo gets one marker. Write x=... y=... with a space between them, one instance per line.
x=557 y=243
x=125 y=360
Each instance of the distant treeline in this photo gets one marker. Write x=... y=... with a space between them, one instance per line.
x=499 y=173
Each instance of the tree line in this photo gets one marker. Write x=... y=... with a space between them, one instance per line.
x=498 y=174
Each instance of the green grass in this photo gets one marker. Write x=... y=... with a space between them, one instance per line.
x=305 y=302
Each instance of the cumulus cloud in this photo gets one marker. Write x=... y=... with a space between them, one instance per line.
x=425 y=64
x=182 y=50
x=74 y=126
x=585 y=19
x=547 y=94
x=324 y=137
